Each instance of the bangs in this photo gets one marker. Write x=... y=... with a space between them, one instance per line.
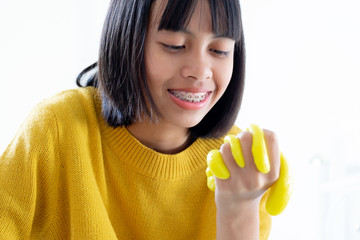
x=225 y=17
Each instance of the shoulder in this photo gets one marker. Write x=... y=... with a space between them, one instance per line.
x=61 y=114
x=66 y=107
x=74 y=100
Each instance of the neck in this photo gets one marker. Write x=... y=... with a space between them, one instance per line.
x=161 y=137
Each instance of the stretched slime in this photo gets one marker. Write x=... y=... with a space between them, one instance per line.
x=280 y=191
x=258 y=149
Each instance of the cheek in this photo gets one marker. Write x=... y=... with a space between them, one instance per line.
x=158 y=68
x=228 y=71
x=223 y=75
x=152 y=73
x=150 y=66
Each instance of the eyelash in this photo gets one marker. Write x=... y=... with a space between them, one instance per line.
x=173 y=47
x=176 y=48
x=219 y=52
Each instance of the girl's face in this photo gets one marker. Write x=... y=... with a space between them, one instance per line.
x=187 y=71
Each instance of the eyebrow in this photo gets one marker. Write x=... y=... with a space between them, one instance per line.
x=187 y=32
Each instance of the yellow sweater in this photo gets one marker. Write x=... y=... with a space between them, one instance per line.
x=68 y=175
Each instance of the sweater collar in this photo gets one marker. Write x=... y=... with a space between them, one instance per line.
x=154 y=164
x=150 y=162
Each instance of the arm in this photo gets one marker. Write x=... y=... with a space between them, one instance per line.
x=28 y=177
x=239 y=223
x=238 y=197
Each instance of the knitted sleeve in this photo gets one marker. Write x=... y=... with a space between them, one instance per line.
x=28 y=177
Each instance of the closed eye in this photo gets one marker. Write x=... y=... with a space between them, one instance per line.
x=224 y=53
x=173 y=47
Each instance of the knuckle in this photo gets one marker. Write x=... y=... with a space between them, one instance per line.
x=270 y=136
x=245 y=137
x=225 y=147
x=274 y=175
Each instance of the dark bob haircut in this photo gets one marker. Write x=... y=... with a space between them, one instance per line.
x=120 y=75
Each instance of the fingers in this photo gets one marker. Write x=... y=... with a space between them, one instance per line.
x=257 y=149
x=245 y=139
x=247 y=159
x=273 y=151
x=279 y=177
x=247 y=178
x=245 y=142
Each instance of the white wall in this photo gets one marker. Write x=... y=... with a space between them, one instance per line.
x=44 y=44
x=303 y=69
x=303 y=72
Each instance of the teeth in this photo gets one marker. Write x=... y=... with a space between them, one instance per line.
x=188 y=96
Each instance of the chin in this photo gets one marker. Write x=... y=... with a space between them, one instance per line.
x=188 y=124
x=184 y=120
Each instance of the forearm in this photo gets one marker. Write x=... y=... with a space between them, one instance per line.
x=242 y=223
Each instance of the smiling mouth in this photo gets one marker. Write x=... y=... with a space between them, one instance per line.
x=189 y=96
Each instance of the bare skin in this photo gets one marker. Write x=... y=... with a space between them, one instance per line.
x=195 y=67
x=164 y=138
x=237 y=198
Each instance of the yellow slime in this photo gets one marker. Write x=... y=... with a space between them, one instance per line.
x=235 y=149
x=216 y=165
x=280 y=191
x=258 y=149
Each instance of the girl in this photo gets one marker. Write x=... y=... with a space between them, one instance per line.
x=124 y=157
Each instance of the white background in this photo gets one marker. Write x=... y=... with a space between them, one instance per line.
x=303 y=69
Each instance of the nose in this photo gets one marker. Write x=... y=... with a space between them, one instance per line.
x=196 y=67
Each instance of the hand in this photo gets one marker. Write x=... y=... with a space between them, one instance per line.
x=243 y=173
